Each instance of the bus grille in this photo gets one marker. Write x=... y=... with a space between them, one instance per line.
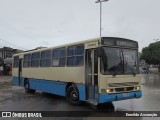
x=123 y=84
x=119 y=89
x=129 y=88
x=124 y=89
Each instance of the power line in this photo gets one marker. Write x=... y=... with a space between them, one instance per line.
x=12 y=44
x=19 y=31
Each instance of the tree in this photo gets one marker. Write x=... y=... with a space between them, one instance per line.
x=151 y=54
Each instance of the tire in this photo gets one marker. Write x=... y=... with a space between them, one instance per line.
x=27 y=89
x=73 y=95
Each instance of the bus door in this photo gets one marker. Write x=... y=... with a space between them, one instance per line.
x=92 y=74
x=20 y=72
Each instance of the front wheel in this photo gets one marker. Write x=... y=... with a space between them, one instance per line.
x=73 y=95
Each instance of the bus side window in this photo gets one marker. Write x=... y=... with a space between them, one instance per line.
x=35 y=59
x=75 y=55
x=27 y=60
x=45 y=58
x=59 y=56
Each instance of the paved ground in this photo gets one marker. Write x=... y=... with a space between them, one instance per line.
x=5 y=79
x=14 y=99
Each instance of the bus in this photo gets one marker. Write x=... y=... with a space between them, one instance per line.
x=99 y=70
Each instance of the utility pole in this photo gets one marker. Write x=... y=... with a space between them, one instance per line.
x=100 y=1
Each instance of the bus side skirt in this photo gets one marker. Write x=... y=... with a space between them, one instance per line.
x=15 y=81
x=48 y=86
x=82 y=92
x=51 y=86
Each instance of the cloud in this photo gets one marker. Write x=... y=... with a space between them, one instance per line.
x=48 y=22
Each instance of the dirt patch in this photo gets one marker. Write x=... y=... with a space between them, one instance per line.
x=5 y=84
x=5 y=81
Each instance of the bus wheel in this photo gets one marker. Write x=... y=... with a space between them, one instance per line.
x=27 y=89
x=73 y=95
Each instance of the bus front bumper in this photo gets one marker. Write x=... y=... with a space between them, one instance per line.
x=103 y=98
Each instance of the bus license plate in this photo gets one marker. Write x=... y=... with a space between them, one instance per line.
x=125 y=94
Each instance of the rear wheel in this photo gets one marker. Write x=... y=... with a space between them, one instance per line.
x=73 y=95
x=27 y=88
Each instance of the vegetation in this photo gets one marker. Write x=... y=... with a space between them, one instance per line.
x=151 y=54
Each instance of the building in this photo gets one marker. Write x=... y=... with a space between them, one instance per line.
x=6 y=54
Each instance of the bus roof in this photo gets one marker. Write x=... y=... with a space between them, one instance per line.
x=59 y=46
x=71 y=44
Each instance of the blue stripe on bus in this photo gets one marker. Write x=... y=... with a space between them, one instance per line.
x=50 y=86
x=82 y=92
x=15 y=81
x=116 y=97
x=53 y=87
x=59 y=88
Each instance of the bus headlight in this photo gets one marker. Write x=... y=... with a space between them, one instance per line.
x=109 y=90
x=138 y=87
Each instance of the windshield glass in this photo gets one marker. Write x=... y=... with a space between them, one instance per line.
x=118 y=61
x=130 y=61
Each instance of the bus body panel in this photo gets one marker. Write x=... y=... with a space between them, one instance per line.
x=15 y=81
x=50 y=86
x=53 y=87
x=115 y=81
x=70 y=74
x=103 y=98
x=15 y=72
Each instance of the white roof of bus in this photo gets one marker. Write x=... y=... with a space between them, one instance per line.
x=60 y=46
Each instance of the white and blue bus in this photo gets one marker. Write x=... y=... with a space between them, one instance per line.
x=99 y=70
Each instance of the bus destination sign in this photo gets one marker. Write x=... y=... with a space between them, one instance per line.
x=119 y=42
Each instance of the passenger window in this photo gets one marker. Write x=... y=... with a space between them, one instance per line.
x=75 y=55
x=59 y=57
x=35 y=59
x=45 y=58
x=27 y=60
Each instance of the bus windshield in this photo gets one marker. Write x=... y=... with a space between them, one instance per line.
x=118 y=61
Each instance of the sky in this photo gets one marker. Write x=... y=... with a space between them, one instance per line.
x=27 y=24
